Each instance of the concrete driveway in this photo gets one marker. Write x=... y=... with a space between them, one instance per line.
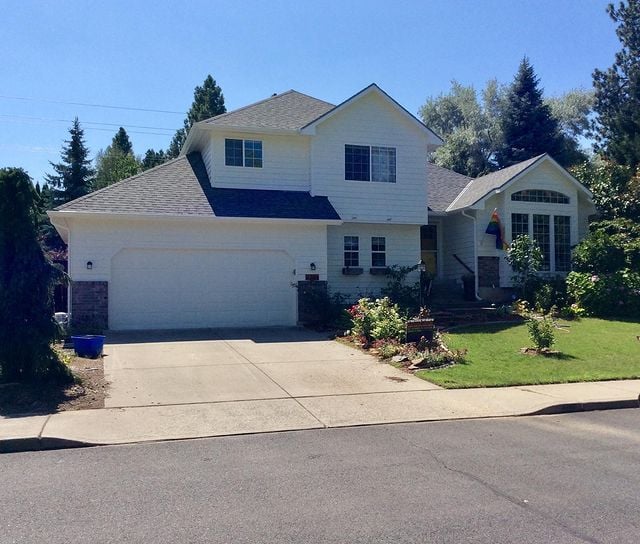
x=187 y=367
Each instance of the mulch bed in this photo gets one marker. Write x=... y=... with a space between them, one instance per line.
x=88 y=392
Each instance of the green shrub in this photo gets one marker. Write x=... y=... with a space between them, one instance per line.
x=598 y=254
x=541 y=331
x=405 y=295
x=525 y=258
x=604 y=295
x=388 y=348
x=550 y=293
x=27 y=280
x=377 y=320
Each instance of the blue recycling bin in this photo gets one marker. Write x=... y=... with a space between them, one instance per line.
x=88 y=345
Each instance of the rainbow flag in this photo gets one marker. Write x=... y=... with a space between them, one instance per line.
x=495 y=229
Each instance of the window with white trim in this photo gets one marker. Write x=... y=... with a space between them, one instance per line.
x=243 y=153
x=540 y=195
x=351 y=251
x=551 y=232
x=369 y=163
x=562 y=242
x=378 y=251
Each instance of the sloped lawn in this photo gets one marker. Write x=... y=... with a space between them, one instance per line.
x=591 y=349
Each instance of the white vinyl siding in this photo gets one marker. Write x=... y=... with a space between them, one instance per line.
x=285 y=163
x=402 y=244
x=278 y=249
x=371 y=121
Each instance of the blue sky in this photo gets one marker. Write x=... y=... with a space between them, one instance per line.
x=151 y=55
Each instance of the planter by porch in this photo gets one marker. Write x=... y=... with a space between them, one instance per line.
x=88 y=345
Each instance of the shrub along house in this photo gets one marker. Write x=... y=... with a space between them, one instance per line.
x=289 y=191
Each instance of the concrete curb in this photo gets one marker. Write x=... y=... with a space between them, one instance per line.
x=40 y=443
x=570 y=407
x=35 y=443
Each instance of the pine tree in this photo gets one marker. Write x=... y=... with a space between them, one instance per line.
x=617 y=91
x=122 y=142
x=73 y=175
x=153 y=158
x=208 y=101
x=27 y=279
x=528 y=128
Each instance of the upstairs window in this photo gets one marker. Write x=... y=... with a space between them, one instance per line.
x=243 y=153
x=378 y=251
x=351 y=251
x=539 y=195
x=370 y=163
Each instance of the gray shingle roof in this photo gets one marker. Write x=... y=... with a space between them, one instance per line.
x=181 y=187
x=482 y=186
x=443 y=186
x=290 y=110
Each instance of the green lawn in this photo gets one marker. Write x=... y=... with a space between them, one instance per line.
x=591 y=349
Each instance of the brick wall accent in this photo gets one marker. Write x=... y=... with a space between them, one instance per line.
x=489 y=271
x=308 y=292
x=90 y=305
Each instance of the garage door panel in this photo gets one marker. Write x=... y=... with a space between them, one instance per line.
x=167 y=288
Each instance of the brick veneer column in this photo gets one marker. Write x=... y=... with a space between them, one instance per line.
x=489 y=271
x=307 y=295
x=90 y=304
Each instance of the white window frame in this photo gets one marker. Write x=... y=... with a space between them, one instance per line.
x=552 y=234
x=244 y=164
x=350 y=251
x=378 y=252
x=391 y=160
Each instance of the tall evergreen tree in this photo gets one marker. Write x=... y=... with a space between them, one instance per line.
x=122 y=142
x=27 y=279
x=617 y=91
x=208 y=101
x=153 y=158
x=73 y=175
x=528 y=128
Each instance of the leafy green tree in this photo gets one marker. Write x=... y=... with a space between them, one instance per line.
x=615 y=188
x=153 y=158
x=73 y=175
x=121 y=142
x=469 y=128
x=116 y=162
x=27 y=279
x=112 y=165
x=525 y=258
x=617 y=91
x=528 y=128
x=208 y=101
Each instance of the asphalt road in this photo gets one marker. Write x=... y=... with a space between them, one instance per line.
x=546 y=479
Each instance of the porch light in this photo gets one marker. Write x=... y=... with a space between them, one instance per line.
x=89 y=265
x=421 y=266
x=312 y=266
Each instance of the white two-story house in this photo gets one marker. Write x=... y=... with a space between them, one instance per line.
x=286 y=192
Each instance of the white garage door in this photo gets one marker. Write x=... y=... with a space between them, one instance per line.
x=166 y=288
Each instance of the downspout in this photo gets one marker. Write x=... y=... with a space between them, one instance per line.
x=475 y=251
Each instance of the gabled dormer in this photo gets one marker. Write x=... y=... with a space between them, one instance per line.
x=368 y=155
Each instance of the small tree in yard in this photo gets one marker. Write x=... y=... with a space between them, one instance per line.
x=525 y=258
x=26 y=288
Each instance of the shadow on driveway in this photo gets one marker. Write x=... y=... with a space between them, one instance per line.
x=263 y=335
